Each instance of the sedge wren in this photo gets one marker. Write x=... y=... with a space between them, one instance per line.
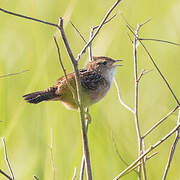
x=96 y=79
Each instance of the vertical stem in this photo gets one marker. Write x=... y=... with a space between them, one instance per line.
x=86 y=155
x=136 y=103
x=79 y=102
x=136 y=106
x=81 y=174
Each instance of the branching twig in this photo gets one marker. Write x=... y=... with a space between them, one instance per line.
x=91 y=34
x=143 y=72
x=6 y=159
x=120 y=100
x=152 y=60
x=155 y=65
x=107 y=21
x=98 y=29
x=13 y=74
x=152 y=147
x=172 y=149
x=163 y=77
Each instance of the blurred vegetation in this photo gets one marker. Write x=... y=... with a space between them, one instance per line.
x=29 y=45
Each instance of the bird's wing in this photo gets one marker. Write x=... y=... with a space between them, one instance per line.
x=92 y=80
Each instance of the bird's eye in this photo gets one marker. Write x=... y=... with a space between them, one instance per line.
x=104 y=63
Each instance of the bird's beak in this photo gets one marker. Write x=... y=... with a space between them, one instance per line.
x=116 y=61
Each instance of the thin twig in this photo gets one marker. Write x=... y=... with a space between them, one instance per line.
x=152 y=155
x=160 y=121
x=27 y=17
x=59 y=56
x=13 y=74
x=74 y=175
x=61 y=28
x=143 y=72
x=99 y=28
x=159 y=40
x=64 y=70
x=119 y=96
x=6 y=159
x=145 y=22
x=107 y=21
x=152 y=147
x=173 y=148
x=125 y=20
x=78 y=32
x=52 y=157
x=130 y=38
x=4 y=174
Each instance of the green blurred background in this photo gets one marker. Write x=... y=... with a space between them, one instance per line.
x=29 y=45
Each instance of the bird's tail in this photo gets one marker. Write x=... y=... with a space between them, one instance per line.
x=37 y=97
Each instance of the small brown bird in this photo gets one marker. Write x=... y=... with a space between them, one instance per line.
x=96 y=79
